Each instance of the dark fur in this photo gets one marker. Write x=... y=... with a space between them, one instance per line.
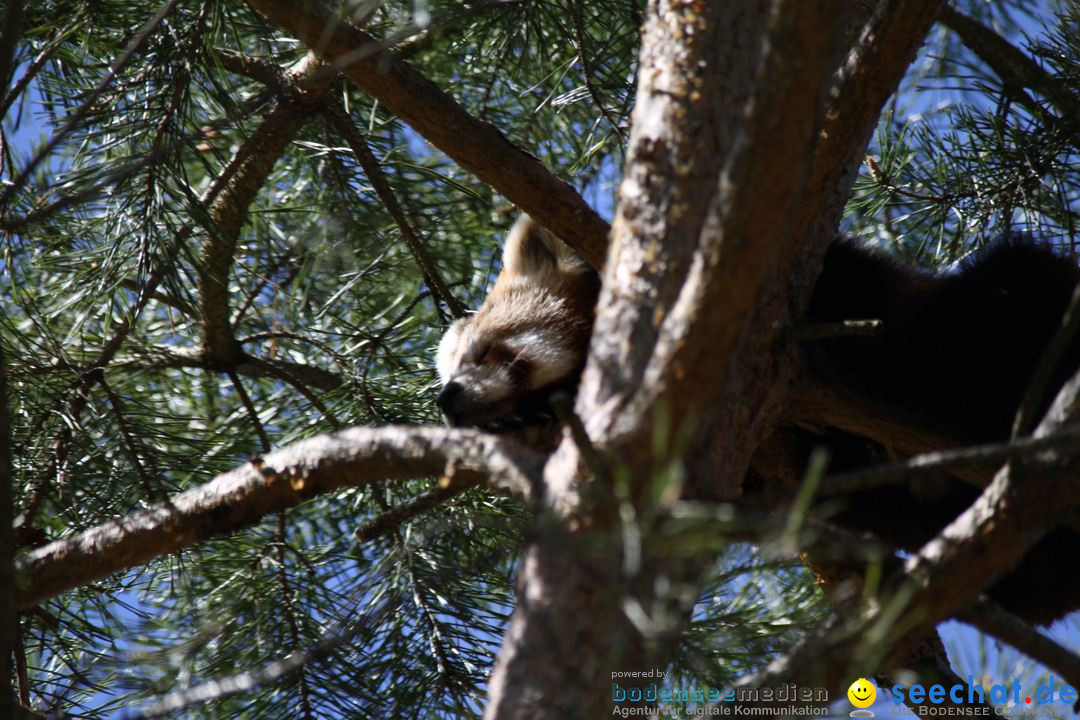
x=956 y=355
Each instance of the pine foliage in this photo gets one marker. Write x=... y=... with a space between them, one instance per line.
x=119 y=122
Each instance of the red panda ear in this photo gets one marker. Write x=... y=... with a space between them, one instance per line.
x=533 y=250
x=526 y=252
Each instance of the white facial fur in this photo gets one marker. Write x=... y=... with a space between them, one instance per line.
x=530 y=333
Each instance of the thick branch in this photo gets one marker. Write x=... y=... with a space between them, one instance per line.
x=816 y=404
x=269 y=484
x=722 y=137
x=949 y=572
x=1022 y=503
x=868 y=76
x=477 y=146
x=727 y=165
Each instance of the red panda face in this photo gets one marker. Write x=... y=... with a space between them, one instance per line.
x=500 y=366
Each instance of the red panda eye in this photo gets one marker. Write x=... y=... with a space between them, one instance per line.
x=498 y=355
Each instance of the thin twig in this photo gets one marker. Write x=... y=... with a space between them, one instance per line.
x=289 y=610
x=245 y=399
x=90 y=375
x=264 y=280
x=1048 y=363
x=563 y=407
x=881 y=178
x=1011 y=65
x=263 y=71
x=161 y=297
x=22 y=674
x=394 y=517
x=1065 y=438
x=270 y=673
x=36 y=65
x=76 y=117
x=10 y=632
x=284 y=372
x=333 y=354
x=586 y=67
x=843 y=329
x=990 y=618
x=341 y=122
x=130 y=441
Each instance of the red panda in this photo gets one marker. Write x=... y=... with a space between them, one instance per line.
x=956 y=354
x=501 y=365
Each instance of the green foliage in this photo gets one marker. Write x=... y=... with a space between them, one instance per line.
x=116 y=128
x=966 y=157
x=110 y=414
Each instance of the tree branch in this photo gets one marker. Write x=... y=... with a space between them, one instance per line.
x=245 y=173
x=161 y=357
x=9 y=39
x=1015 y=69
x=263 y=71
x=586 y=67
x=394 y=517
x=477 y=146
x=269 y=484
x=1014 y=511
x=979 y=456
x=736 y=148
x=817 y=404
x=89 y=99
x=722 y=139
x=949 y=572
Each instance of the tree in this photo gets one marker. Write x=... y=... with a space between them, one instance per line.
x=246 y=226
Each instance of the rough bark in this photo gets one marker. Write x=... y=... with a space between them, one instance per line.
x=477 y=146
x=269 y=484
x=1025 y=500
x=731 y=152
x=722 y=137
x=1022 y=503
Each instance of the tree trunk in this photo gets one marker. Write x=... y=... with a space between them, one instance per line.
x=726 y=154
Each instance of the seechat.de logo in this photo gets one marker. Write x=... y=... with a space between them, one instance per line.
x=862 y=694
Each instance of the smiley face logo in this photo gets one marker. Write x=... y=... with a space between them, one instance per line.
x=862 y=693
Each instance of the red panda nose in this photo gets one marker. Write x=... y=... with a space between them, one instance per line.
x=450 y=392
